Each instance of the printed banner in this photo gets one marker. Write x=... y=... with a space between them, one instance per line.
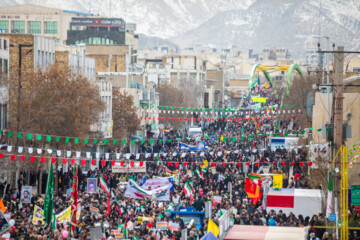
x=4 y=224
x=174 y=226
x=91 y=186
x=355 y=195
x=162 y=225
x=135 y=191
x=277 y=181
x=26 y=194
x=127 y=169
x=38 y=215
x=65 y=215
x=259 y=99
x=157 y=182
x=198 y=147
x=94 y=210
x=217 y=199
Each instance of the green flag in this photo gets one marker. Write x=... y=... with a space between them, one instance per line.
x=49 y=196
x=330 y=184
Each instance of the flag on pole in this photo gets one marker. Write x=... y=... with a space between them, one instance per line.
x=205 y=169
x=108 y=210
x=212 y=227
x=2 y=206
x=74 y=194
x=188 y=192
x=266 y=84
x=49 y=196
x=121 y=210
x=329 y=196
x=199 y=174
x=104 y=186
x=158 y=159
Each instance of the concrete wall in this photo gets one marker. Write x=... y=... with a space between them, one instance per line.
x=108 y=58
x=351 y=104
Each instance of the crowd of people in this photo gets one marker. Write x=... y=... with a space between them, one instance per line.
x=140 y=216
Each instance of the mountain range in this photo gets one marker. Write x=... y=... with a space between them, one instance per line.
x=248 y=24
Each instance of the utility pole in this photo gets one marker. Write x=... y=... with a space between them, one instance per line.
x=18 y=118
x=340 y=179
x=338 y=121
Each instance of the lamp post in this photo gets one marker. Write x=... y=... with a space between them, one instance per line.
x=327 y=74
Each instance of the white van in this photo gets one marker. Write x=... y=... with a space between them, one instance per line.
x=195 y=132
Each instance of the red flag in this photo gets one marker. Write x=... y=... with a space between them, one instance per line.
x=108 y=210
x=74 y=194
x=250 y=186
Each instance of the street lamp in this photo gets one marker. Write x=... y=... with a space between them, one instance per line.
x=127 y=58
x=327 y=73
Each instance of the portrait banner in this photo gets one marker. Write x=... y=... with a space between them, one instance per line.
x=26 y=194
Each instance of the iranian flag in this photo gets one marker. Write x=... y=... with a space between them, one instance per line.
x=104 y=186
x=205 y=169
x=188 y=192
x=199 y=174
x=158 y=159
x=121 y=210
x=255 y=84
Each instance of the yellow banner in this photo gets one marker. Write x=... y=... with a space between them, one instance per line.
x=65 y=215
x=277 y=181
x=38 y=215
x=259 y=99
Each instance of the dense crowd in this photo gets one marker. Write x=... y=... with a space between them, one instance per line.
x=143 y=214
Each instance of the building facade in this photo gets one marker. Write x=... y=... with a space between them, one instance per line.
x=4 y=83
x=97 y=31
x=75 y=57
x=38 y=20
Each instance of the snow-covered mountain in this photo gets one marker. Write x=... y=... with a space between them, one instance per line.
x=161 y=18
x=253 y=24
x=285 y=23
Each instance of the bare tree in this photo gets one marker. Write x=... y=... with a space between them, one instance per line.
x=124 y=115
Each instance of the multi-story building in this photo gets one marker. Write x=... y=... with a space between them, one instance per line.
x=105 y=123
x=75 y=58
x=184 y=67
x=38 y=20
x=313 y=58
x=4 y=83
x=34 y=52
x=97 y=31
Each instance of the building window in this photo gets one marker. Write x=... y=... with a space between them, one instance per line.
x=35 y=27
x=51 y=27
x=5 y=66
x=4 y=26
x=19 y=27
